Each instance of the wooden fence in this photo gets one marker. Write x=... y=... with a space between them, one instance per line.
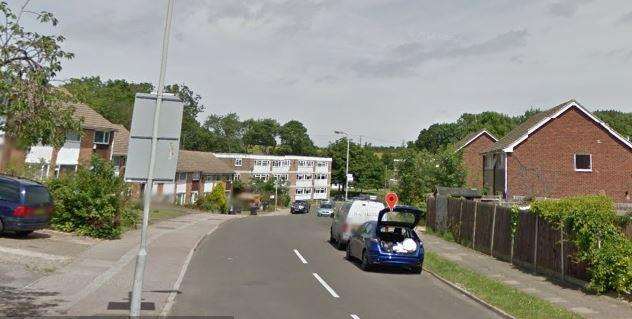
x=536 y=244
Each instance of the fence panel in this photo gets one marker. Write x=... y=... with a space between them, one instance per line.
x=467 y=223
x=574 y=268
x=484 y=218
x=502 y=233
x=549 y=248
x=454 y=211
x=524 y=240
x=431 y=212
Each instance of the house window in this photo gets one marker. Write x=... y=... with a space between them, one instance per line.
x=583 y=162
x=262 y=162
x=263 y=177
x=180 y=198
x=181 y=177
x=73 y=137
x=238 y=162
x=101 y=137
x=299 y=177
x=310 y=164
x=321 y=164
x=302 y=163
x=195 y=176
x=299 y=191
x=308 y=176
x=489 y=161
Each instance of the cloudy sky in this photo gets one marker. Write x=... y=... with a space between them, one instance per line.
x=378 y=68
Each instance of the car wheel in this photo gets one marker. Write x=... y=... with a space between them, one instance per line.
x=416 y=269
x=23 y=233
x=366 y=265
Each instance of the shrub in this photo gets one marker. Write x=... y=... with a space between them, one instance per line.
x=214 y=201
x=91 y=202
x=591 y=221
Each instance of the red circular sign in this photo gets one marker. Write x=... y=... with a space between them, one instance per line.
x=391 y=200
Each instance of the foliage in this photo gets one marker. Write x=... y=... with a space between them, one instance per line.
x=215 y=201
x=619 y=121
x=367 y=169
x=590 y=221
x=113 y=99
x=261 y=132
x=420 y=172
x=295 y=140
x=33 y=110
x=92 y=202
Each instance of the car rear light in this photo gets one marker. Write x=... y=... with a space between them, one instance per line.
x=22 y=211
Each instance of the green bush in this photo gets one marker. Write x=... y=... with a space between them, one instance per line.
x=591 y=222
x=92 y=202
x=214 y=201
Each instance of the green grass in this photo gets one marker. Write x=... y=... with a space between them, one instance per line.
x=507 y=298
x=162 y=214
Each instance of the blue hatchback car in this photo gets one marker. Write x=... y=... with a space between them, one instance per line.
x=389 y=241
x=25 y=205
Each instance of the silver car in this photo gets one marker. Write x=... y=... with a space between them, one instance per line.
x=326 y=208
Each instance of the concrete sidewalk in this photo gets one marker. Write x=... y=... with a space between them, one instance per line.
x=571 y=298
x=98 y=281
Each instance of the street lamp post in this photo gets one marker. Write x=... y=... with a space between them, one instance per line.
x=347 y=165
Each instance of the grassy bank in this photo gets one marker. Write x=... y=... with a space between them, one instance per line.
x=507 y=298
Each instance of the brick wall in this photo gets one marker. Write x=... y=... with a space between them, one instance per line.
x=473 y=160
x=543 y=165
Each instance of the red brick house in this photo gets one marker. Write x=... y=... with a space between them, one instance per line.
x=561 y=152
x=471 y=147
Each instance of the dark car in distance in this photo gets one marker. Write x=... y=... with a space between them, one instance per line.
x=299 y=207
x=25 y=205
x=389 y=241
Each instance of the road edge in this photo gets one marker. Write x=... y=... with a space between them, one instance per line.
x=171 y=299
x=468 y=294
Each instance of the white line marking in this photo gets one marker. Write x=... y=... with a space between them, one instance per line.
x=354 y=316
x=324 y=284
x=300 y=256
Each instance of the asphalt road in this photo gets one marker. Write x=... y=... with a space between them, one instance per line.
x=248 y=269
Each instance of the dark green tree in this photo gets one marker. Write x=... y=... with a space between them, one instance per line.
x=295 y=140
x=261 y=132
x=367 y=169
x=228 y=132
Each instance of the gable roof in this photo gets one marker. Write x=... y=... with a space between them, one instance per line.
x=90 y=118
x=522 y=131
x=205 y=162
x=121 y=140
x=472 y=137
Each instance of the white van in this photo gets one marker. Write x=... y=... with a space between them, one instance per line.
x=349 y=216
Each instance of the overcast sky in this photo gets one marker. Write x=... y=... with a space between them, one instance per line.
x=383 y=69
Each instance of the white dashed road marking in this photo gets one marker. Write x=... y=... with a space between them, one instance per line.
x=324 y=284
x=300 y=256
x=354 y=316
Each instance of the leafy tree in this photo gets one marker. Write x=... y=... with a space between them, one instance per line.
x=215 y=201
x=113 y=99
x=619 y=121
x=420 y=172
x=437 y=135
x=32 y=109
x=193 y=136
x=228 y=131
x=261 y=132
x=295 y=140
x=367 y=169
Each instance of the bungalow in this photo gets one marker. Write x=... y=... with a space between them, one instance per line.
x=563 y=151
x=471 y=147
x=95 y=137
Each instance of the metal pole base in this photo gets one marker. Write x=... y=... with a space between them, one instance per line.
x=137 y=288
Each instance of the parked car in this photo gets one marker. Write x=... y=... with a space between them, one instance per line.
x=300 y=207
x=349 y=216
x=326 y=208
x=25 y=206
x=390 y=240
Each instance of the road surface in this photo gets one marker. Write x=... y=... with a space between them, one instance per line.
x=284 y=267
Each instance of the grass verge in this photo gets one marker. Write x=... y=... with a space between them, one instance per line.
x=507 y=298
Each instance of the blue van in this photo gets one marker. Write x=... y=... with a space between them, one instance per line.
x=25 y=205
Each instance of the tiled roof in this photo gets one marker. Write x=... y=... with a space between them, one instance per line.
x=205 y=162
x=471 y=137
x=90 y=118
x=121 y=140
x=522 y=129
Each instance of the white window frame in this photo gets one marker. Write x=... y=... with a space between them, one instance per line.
x=300 y=177
x=70 y=136
x=310 y=164
x=182 y=177
x=239 y=162
x=195 y=176
x=308 y=177
x=276 y=163
x=106 y=135
x=582 y=169
x=302 y=163
x=321 y=164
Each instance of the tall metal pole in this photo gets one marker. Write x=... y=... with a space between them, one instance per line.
x=139 y=271
x=347 y=172
x=276 y=194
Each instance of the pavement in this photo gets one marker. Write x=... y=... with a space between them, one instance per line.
x=284 y=267
x=94 y=277
x=564 y=295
